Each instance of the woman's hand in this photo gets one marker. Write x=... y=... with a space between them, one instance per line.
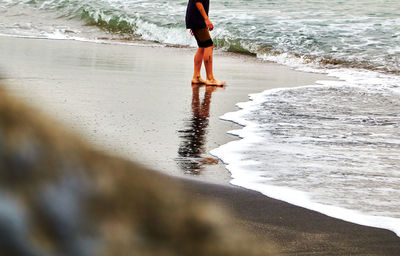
x=209 y=24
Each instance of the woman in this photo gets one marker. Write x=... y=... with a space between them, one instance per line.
x=199 y=24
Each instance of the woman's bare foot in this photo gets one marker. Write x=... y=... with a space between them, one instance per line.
x=215 y=82
x=198 y=80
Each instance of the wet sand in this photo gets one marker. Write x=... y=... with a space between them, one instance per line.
x=133 y=100
x=137 y=101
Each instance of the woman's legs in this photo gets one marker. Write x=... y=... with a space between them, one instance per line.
x=204 y=54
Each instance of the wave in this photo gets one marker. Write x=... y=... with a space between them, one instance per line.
x=133 y=20
x=114 y=24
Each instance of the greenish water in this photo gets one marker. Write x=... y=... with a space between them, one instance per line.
x=363 y=34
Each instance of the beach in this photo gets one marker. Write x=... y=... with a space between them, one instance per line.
x=136 y=101
x=133 y=100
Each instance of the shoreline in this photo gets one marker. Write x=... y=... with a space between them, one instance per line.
x=119 y=96
x=301 y=197
x=294 y=229
x=57 y=77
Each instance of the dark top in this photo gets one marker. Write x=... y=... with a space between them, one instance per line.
x=193 y=16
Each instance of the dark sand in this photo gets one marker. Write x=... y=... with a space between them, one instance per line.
x=296 y=230
x=137 y=102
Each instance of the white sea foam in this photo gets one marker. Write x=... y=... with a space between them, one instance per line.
x=243 y=160
x=366 y=79
x=247 y=172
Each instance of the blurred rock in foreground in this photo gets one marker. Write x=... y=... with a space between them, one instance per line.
x=59 y=196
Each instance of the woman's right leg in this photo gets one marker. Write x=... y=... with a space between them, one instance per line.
x=198 y=60
x=208 y=63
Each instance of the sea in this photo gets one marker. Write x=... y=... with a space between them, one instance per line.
x=333 y=146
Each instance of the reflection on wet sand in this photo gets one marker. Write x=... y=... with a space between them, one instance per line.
x=192 y=151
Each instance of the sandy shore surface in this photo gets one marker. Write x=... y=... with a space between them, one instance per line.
x=137 y=101
x=134 y=100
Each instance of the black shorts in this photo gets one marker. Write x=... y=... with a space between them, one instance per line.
x=203 y=37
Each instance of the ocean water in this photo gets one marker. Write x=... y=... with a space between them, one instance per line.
x=333 y=147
